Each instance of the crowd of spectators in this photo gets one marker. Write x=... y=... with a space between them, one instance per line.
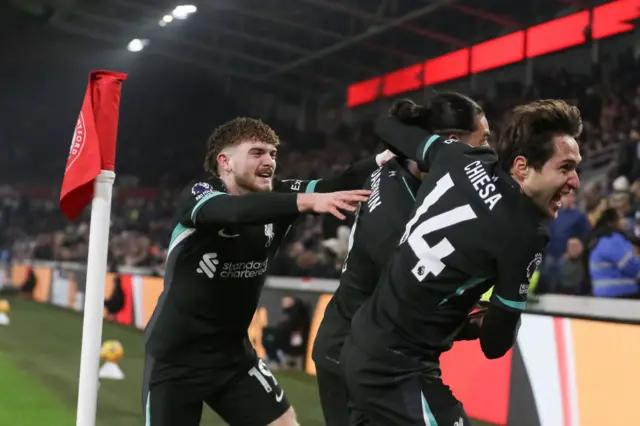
x=608 y=96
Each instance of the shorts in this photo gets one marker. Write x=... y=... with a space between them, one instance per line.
x=337 y=408
x=245 y=393
x=390 y=390
x=332 y=333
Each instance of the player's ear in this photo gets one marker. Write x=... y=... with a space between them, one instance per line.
x=224 y=162
x=520 y=168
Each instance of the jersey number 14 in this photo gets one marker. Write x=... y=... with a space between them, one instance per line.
x=430 y=258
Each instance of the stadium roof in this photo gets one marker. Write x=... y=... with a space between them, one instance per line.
x=304 y=46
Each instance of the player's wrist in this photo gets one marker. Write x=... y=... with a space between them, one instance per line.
x=384 y=157
x=304 y=202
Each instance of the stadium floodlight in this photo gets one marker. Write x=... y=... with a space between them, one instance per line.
x=162 y=23
x=167 y=18
x=183 y=11
x=189 y=8
x=136 y=45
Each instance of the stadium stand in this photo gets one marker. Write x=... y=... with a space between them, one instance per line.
x=608 y=95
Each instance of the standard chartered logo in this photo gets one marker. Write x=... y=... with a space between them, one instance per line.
x=209 y=265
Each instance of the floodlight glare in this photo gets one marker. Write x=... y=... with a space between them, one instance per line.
x=136 y=45
x=183 y=11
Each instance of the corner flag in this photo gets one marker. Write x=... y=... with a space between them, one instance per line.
x=93 y=147
x=89 y=177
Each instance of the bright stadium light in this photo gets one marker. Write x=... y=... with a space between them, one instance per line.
x=136 y=45
x=183 y=11
x=167 y=18
x=189 y=8
x=162 y=23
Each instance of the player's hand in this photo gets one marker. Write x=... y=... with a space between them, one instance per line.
x=470 y=329
x=333 y=202
x=384 y=157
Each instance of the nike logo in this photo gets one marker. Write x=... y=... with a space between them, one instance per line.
x=279 y=397
x=225 y=235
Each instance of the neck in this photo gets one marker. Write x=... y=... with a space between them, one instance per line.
x=412 y=168
x=530 y=199
x=231 y=186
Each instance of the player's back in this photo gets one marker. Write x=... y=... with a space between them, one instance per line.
x=467 y=212
x=374 y=236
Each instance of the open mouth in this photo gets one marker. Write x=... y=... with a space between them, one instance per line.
x=265 y=175
x=556 y=200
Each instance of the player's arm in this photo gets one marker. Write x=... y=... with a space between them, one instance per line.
x=419 y=145
x=353 y=177
x=501 y=322
x=218 y=208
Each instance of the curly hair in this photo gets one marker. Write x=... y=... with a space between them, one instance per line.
x=232 y=132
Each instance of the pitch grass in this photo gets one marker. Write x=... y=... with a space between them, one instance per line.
x=39 y=364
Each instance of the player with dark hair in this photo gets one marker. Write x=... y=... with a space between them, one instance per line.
x=228 y=227
x=479 y=220
x=376 y=232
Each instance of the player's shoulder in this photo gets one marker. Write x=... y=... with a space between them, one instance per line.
x=457 y=149
x=478 y=174
x=199 y=188
x=287 y=185
x=391 y=186
x=523 y=223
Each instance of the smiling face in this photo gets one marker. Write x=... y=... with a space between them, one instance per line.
x=248 y=166
x=555 y=179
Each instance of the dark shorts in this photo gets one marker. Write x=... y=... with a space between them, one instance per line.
x=327 y=345
x=337 y=407
x=390 y=390
x=244 y=394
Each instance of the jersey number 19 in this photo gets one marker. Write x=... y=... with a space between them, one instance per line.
x=430 y=258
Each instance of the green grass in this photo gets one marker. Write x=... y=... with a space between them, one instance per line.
x=39 y=364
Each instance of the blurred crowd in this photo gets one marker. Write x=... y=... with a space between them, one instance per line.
x=608 y=205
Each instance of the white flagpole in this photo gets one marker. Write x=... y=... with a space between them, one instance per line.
x=94 y=299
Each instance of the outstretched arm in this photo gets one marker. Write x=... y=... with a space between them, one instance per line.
x=250 y=209
x=419 y=145
x=352 y=178
x=209 y=207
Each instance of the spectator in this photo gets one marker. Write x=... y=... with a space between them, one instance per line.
x=614 y=268
x=573 y=272
x=570 y=223
x=287 y=341
x=621 y=201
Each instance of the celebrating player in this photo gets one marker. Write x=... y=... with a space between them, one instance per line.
x=227 y=229
x=376 y=232
x=479 y=220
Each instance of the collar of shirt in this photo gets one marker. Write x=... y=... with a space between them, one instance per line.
x=525 y=203
x=400 y=166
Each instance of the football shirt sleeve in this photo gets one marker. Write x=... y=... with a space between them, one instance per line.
x=515 y=266
x=201 y=205
x=417 y=144
x=352 y=178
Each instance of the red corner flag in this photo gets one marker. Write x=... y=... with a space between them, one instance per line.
x=93 y=147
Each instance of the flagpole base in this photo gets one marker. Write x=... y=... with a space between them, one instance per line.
x=111 y=371
x=106 y=176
